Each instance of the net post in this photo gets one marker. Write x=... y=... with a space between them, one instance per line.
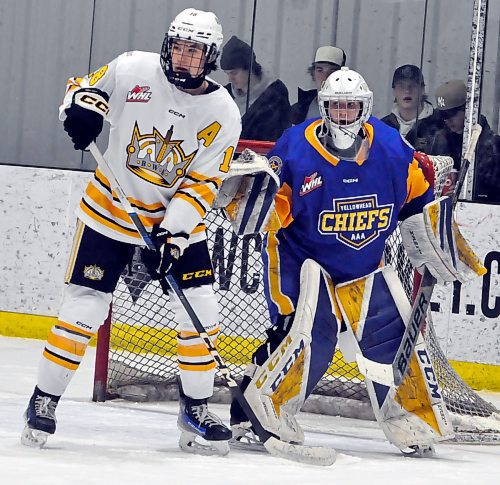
x=101 y=360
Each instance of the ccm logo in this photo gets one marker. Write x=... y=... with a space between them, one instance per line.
x=197 y=274
x=94 y=103
x=350 y=181
x=176 y=113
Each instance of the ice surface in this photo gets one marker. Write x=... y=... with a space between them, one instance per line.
x=126 y=443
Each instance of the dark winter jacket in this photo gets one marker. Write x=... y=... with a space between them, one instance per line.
x=422 y=131
x=487 y=159
x=301 y=107
x=269 y=116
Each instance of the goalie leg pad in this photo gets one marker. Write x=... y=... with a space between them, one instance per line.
x=375 y=309
x=280 y=384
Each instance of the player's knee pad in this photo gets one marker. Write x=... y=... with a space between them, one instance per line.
x=196 y=365
x=84 y=307
x=280 y=370
x=376 y=311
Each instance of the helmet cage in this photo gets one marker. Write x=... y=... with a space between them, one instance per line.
x=342 y=122
x=184 y=79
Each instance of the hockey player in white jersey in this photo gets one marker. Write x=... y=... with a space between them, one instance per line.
x=172 y=137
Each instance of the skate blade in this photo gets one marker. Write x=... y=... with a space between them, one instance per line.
x=33 y=438
x=245 y=439
x=189 y=443
x=419 y=451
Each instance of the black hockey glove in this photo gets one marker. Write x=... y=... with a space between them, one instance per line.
x=84 y=118
x=170 y=249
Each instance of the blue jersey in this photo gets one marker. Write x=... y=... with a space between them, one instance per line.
x=335 y=211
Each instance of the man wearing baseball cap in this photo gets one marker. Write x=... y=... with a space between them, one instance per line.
x=451 y=97
x=412 y=114
x=328 y=59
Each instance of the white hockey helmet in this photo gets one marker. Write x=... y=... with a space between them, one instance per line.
x=198 y=26
x=344 y=86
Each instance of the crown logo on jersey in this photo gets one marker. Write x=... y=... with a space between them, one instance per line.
x=93 y=272
x=156 y=158
x=356 y=221
x=311 y=182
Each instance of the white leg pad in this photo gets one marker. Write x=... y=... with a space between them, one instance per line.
x=278 y=387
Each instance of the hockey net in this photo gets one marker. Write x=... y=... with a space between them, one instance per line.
x=136 y=355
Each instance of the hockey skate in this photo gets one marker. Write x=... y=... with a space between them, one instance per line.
x=40 y=418
x=419 y=451
x=195 y=421
x=244 y=437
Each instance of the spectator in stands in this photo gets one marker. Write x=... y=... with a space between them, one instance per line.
x=328 y=59
x=412 y=114
x=450 y=105
x=266 y=113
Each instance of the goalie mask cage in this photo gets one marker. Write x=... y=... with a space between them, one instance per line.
x=136 y=349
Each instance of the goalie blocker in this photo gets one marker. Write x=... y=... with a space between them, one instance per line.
x=375 y=310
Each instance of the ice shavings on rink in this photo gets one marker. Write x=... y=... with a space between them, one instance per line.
x=130 y=443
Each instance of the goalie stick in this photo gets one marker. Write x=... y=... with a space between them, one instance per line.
x=313 y=455
x=393 y=374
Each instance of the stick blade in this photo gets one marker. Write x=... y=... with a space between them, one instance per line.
x=310 y=455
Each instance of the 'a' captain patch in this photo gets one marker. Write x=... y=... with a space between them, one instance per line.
x=356 y=221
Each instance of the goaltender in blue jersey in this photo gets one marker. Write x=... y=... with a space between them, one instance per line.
x=346 y=180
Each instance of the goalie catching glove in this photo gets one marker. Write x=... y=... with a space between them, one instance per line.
x=170 y=249
x=85 y=116
x=433 y=239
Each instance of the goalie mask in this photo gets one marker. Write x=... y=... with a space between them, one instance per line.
x=191 y=47
x=345 y=104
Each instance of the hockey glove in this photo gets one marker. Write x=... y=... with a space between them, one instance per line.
x=85 y=116
x=170 y=249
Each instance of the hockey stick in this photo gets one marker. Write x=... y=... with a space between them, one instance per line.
x=393 y=374
x=313 y=455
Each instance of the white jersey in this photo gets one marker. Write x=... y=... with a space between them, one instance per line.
x=169 y=150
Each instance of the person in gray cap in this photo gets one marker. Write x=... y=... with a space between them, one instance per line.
x=328 y=59
x=412 y=114
x=266 y=112
x=451 y=97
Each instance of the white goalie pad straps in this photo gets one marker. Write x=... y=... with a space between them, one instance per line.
x=247 y=194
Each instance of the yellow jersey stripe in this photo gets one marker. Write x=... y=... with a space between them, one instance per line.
x=416 y=183
x=283 y=205
x=156 y=207
x=107 y=204
x=203 y=190
x=202 y=178
x=281 y=300
x=105 y=221
x=193 y=201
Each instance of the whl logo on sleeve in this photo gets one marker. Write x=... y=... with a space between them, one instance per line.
x=139 y=94
x=311 y=182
